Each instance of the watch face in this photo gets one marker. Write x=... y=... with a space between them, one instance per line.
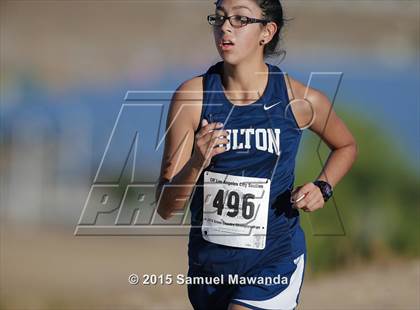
x=327 y=189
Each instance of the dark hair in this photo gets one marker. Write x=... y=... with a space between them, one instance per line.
x=273 y=11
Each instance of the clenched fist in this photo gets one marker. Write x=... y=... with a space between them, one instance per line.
x=208 y=142
x=307 y=197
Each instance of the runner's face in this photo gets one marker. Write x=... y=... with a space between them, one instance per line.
x=245 y=39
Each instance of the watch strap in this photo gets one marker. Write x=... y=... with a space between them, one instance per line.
x=326 y=189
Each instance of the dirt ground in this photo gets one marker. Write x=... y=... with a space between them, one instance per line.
x=53 y=269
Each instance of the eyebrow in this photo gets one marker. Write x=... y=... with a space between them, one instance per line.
x=220 y=8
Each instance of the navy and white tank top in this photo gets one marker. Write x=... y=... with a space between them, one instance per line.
x=263 y=143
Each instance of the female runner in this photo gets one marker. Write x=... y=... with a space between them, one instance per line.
x=233 y=152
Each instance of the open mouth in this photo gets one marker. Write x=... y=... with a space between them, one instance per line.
x=226 y=44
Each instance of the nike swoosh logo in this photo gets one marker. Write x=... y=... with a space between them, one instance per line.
x=269 y=107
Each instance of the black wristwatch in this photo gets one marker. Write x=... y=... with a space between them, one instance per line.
x=326 y=189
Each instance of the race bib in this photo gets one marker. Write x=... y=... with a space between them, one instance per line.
x=235 y=210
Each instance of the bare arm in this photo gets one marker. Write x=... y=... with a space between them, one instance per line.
x=332 y=130
x=179 y=169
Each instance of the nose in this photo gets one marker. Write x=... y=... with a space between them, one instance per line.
x=226 y=27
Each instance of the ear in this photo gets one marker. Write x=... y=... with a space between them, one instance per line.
x=268 y=33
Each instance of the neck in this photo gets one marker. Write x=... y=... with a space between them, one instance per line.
x=245 y=82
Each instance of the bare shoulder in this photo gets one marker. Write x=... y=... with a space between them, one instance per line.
x=187 y=100
x=194 y=84
x=305 y=101
x=302 y=91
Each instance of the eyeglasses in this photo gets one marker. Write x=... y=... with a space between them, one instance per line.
x=236 y=21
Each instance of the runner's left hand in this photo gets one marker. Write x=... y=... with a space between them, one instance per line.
x=312 y=197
